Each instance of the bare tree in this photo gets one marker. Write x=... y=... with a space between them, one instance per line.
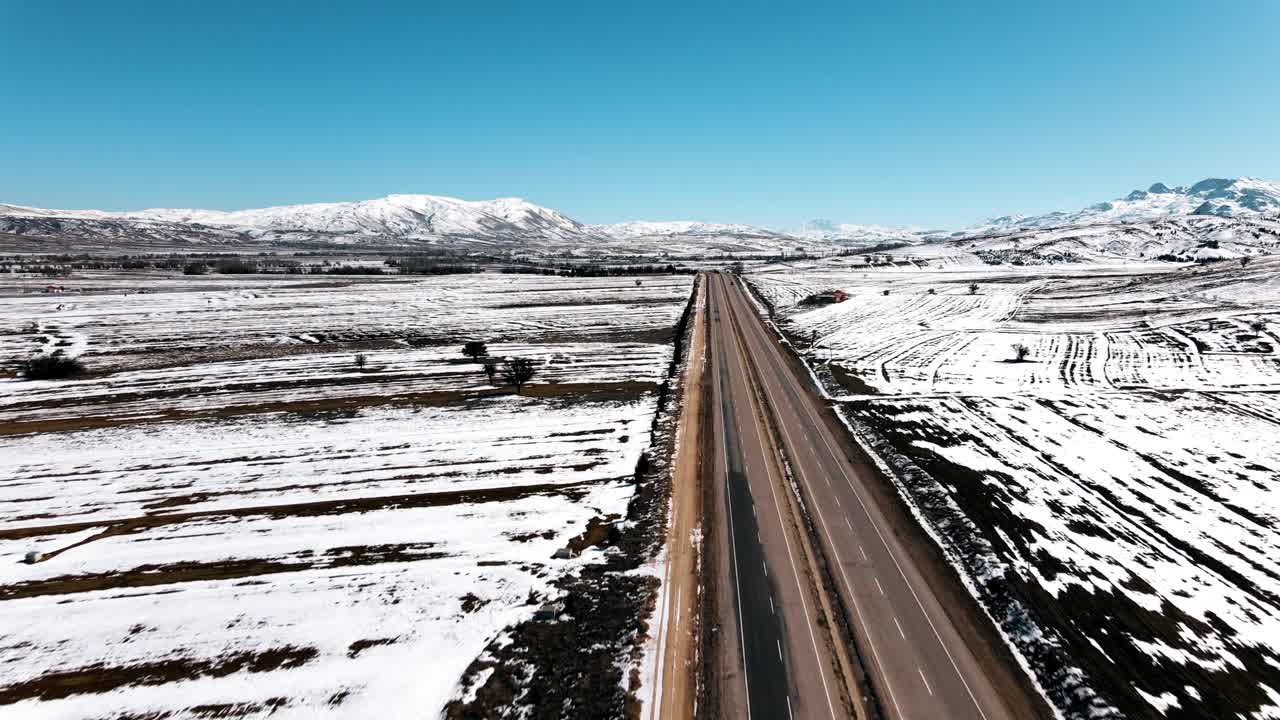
x=973 y=288
x=475 y=349
x=1244 y=261
x=1020 y=352
x=361 y=360
x=1257 y=326
x=490 y=368
x=516 y=372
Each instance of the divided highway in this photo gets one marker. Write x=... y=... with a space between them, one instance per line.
x=785 y=662
x=775 y=661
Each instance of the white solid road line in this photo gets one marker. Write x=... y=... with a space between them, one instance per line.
x=895 y=622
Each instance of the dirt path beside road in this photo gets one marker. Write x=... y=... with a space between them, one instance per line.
x=675 y=689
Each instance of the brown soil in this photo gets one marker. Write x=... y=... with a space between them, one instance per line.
x=406 y=479
x=153 y=575
x=607 y=301
x=360 y=646
x=850 y=381
x=678 y=625
x=472 y=602
x=101 y=678
x=308 y=509
x=583 y=391
x=599 y=532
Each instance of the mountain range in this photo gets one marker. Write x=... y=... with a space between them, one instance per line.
x=517 y=225
x=1240 y=197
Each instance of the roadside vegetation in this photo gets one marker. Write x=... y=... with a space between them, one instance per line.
x=52 y=366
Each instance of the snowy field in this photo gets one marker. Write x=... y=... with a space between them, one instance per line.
x=239 y=522
x=1120 y=482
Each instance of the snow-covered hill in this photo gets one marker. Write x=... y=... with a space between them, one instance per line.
x=1099 y=231
x=1185 y=238
x=394 y=216
x=683 y=228
x=855 y=235
x=1243 y=197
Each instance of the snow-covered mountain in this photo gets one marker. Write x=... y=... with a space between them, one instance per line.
x=1243 y=197
x=394 y=216
x=814 y=234
x=391 y=220
x=1180 y=237
x=684 y=228
x=854 y=234
x=391 y=217
x=518 y=225
x=395 y=220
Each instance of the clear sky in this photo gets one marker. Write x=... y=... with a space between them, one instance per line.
x=921 y=113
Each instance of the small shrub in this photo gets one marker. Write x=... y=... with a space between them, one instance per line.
x=642 y=466
x=361 y=360
x=195 y=269
x=51 y=367
x=973 y=288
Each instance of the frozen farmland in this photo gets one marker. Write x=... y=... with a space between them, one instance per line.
x=235 y=519
x=1114 y=497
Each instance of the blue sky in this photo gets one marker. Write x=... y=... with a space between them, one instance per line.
x=929 y=114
